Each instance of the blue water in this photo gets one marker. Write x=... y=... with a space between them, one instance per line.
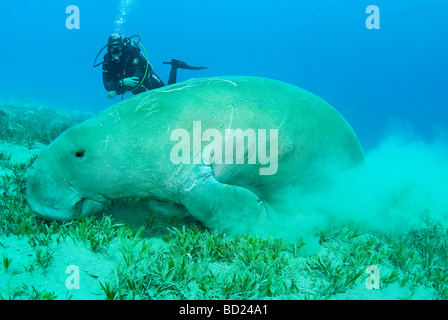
x=378 y=79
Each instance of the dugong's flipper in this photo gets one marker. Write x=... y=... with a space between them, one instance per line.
x=221 y=206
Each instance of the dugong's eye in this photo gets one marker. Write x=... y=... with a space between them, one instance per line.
x=79 y=154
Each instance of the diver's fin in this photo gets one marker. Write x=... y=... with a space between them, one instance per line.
x=178 y=64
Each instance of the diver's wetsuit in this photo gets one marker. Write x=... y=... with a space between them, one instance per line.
x=131 y=64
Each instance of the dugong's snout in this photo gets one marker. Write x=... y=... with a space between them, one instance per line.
x=53 y=199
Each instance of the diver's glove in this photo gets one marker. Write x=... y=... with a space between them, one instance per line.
x=131 y=82
x=111 y=94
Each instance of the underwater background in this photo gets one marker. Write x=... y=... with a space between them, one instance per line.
x=389 y=84
x=373 y=77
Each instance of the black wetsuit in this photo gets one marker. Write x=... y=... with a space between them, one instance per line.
x=131 y=64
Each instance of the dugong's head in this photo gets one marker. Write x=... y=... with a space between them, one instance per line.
x=114 y=155
x=62 y=183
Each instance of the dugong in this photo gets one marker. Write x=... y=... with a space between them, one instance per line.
x=222 y=147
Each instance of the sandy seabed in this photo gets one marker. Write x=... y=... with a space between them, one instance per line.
x=21 y=278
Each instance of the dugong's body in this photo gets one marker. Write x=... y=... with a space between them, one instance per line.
x=150 y=146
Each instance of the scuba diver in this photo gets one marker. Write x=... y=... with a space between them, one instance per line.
x=125 y=69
